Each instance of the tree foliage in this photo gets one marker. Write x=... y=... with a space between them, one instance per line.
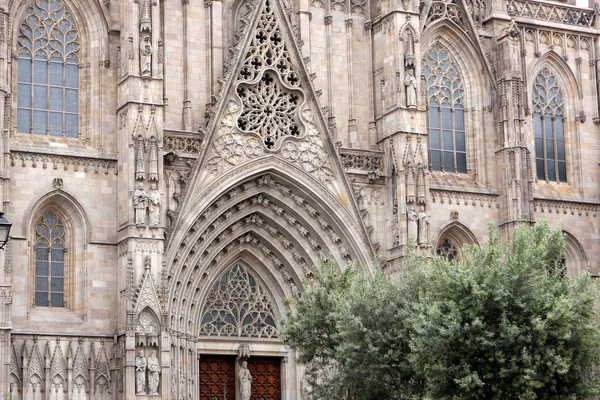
x=502 y=323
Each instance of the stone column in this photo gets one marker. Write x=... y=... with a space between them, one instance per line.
x=514 y=155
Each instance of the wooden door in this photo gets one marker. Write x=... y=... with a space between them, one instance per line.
x=266 y=378
x=217 y=377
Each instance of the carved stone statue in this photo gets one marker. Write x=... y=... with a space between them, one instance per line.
x=245 y=381
x=146 y=56
x=413 y=227
x=140 y=373
x=140 y=200
x=153 y=373
x=411 y=88
x=154 y=203
x=423 y=226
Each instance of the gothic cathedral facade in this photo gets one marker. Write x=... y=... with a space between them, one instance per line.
x=175 y=169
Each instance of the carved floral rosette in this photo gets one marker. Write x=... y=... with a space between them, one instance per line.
x=267 y=111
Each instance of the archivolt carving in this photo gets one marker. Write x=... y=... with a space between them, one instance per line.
x=268 y=112
x=237 y=306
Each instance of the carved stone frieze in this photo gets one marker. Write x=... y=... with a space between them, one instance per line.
x=185 y=145
x=552 y=12
x=566 y=207
x=362 y=161
x=96 y=165
x=464 y=198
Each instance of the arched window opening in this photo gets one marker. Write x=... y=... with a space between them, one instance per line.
x=50 y=249
x=445 y=111
x=446 y=248
x=549 y=127
x=238 y=306
x=48 y=71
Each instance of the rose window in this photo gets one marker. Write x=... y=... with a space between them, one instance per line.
x=269 y=110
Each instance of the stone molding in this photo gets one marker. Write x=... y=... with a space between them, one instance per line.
x=466 y=198
x=565 y=207
x=551 y=12
x=85 y=164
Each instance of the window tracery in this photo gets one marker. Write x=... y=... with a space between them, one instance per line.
x=549 y=127
x=48 y=71
x=445 y=114
x=447 y=249
x=50 y=249
x=237 y=306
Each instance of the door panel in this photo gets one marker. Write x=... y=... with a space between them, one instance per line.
x=266 y=378
x=215 y=372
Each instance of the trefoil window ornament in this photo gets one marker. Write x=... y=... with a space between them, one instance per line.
x=236 y=306
x=549 y=127
x=447 y=249
x=445 y=111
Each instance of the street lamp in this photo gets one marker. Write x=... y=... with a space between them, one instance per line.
x=5 y=226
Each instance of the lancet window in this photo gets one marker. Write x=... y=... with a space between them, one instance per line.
x=445 y=111
x=237 y=306
x=549 y=127
x=50 y=249
x=48 y=71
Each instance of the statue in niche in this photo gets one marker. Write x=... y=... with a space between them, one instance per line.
x=140 y=158
x=410 y=184
x=146 y=56
x=423 y=226
x=153 y=373
x=154 y=203
x=411 y=88
x=413 y=224
x=140 y=200
x=245 y=381
x=140 y=373
x=153 y=160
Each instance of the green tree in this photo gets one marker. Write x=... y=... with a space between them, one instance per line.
x=502 y=323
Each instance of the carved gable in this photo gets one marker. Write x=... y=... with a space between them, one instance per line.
x=147 y=295
x=267 y=115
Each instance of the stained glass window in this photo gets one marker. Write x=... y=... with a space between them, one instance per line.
x=445 y=111
x=549 y=128
x=50 y=261
x=446 y=248
x=48 y=71
x=237 y=306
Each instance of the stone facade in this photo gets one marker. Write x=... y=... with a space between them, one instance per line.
x=200 y=158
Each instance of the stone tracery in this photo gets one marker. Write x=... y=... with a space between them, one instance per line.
x=238 y=306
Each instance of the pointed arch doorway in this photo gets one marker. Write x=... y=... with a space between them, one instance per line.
x=238 y=314
x=218 y=378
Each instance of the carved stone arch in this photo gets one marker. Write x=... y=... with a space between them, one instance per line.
x=468 y=56
x=148 y=327
x=281 y=272
x=453 y=234
x=575 y=259
x=573 y=104
x=272 y=280
x=330 y=208
x=565 y=75
x=93 y=23
x=65 y=202
x=245 y=291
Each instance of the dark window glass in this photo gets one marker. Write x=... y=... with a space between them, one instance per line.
x=445 y=88
x=48 y=28
x=49 y=261
x=549 y=130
